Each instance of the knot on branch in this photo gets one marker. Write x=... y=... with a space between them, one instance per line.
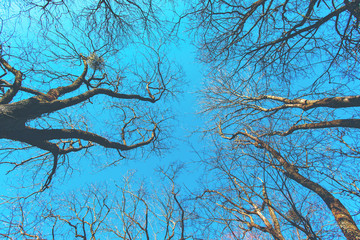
x=258 y=145
x=52 y=95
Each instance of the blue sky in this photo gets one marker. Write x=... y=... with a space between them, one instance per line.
x=183 y=129
x=183 y=140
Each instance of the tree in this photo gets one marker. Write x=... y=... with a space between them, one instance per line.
x=283 y=89
x=81 y=62
x=96 y=212
x=246 y=199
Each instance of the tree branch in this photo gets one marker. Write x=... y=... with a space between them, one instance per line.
x=334 y=102
x=290 y=35
x=350 y=123
x=39 y=138
x=59 y=91
x=10 y=94
x=341 y=214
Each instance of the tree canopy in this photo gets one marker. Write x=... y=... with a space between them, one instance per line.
x=282 y=89
x=75 y=56
x=280 y=100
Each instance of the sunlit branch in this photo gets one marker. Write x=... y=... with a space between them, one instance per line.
x=334 y=102
x=348 y=123
x=341 y=214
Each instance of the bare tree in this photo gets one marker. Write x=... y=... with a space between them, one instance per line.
x=125 y=212
x=66 y=67
x=282 y=88
x=246 y=198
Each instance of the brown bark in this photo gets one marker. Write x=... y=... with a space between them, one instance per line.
x=32 y=136
x=350 y=123
x=13 y=116
x=339 y=211
x=334 y=102
x=273 y=216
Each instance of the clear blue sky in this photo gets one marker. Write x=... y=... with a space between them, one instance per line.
x=183 y=141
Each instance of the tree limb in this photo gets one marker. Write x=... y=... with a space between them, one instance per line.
x=350 y=123
x=10 y=94
x=39 y=138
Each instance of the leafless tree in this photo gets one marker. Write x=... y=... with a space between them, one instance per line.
x=68 y=65
x=246 y=198
x=282 y=87
x=128 y=211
